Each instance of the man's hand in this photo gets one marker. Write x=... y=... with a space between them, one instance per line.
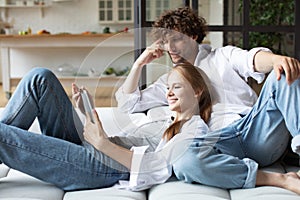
x=289 y=66
x=266 y=61
x=151 y=53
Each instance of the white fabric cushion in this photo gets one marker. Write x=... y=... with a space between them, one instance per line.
x=263 y=193
x=176 y=190
x=19 y=185
x=114 y=121
x=105 y=194
x=3 y=170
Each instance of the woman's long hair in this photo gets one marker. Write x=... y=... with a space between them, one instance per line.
x=197 y=78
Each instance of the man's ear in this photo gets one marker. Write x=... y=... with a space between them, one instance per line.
x=195 y=37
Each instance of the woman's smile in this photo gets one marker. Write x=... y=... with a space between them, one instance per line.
x=172 y=100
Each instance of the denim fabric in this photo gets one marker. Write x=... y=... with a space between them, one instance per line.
x=58 y=155
x=229 y=158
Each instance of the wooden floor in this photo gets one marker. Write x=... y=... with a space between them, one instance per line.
x=104 y=97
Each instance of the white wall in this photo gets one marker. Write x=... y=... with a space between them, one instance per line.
x=76 y=16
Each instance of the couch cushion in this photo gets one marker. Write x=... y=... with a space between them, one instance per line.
x=174 y=190
x=116 y=122
x=19 y=185
x=105 y=194
x=177 y=190
x=3 y=170
x=263 y=193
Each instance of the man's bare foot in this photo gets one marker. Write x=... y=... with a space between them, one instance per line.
x=291 y=182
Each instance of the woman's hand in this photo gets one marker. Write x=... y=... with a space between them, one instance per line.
x=94 y=133
x=76 y=96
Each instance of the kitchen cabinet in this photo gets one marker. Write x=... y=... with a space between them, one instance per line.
x=20 y=53
x=155 y=8
x=115 y=11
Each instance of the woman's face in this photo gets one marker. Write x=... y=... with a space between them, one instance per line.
x=180 y=95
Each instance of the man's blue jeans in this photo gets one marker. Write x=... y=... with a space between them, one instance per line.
x=57 y=155
x=229 y=158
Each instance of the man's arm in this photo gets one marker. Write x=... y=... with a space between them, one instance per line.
x=266 y=61
x=129 y=97
x=151 y=53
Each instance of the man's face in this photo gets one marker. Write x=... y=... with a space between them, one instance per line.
x=181 y=48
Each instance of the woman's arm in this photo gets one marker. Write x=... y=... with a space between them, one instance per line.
x=96 y=136
x=118 y=153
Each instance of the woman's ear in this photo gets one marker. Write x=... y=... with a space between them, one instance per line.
x=198 y=93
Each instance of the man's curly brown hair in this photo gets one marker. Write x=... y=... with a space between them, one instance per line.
x=184 y=20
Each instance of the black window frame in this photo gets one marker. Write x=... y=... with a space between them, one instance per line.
x=140 y=22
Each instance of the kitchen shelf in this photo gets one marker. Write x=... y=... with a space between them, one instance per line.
x=12 y=6
x=23 y=6
x=61 y=1
x=55 y=48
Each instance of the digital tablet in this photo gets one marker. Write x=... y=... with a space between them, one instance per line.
x=87 y=105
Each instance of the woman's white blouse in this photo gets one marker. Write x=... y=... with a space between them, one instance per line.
x=155 y=167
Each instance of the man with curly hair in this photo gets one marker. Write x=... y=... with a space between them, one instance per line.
x=246 y=131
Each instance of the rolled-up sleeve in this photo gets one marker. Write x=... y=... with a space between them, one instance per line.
x=258 y=76
x=148 y=169
x=127 y=101
x=242 y=61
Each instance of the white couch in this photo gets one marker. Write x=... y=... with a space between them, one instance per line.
x=16 y=185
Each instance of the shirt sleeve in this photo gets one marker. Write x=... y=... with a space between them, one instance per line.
x=148 y=169
x=242 y=61
x=140 y=101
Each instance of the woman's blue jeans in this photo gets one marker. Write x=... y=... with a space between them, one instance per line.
x=58 y=155
x=229 y=158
